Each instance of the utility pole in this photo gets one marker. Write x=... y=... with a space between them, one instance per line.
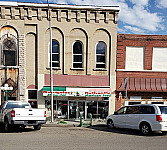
x=51 y=74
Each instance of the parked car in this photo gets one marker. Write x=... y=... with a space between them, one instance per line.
x=143 y=117
x=19 y=113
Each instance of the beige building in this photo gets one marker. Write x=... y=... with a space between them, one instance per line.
x=83 y=56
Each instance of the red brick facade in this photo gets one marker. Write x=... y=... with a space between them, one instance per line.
x=148 y=42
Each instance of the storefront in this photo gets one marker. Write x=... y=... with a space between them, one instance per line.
x=70 y=102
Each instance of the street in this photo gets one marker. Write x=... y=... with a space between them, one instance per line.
x=76 y=138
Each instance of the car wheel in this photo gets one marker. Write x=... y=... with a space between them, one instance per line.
x=110 y=124
x=7 y=126
x=37 y=127
x=145 y=129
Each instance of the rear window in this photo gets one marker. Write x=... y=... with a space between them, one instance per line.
x=16 y=105
x=163 y=109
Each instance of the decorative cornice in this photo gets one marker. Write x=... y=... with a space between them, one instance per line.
x=68 y=12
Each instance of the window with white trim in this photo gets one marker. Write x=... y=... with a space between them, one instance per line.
x=101 y=55
x=135 y=58
x=159 y=61
x=55 y=54
x=78 y=55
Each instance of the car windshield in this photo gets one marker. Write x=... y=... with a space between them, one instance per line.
x=16 y=105
x=163 y=109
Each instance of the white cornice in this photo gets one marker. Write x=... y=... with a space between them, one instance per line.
x=6 y=3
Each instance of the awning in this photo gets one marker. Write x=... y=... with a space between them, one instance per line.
x=145 y=85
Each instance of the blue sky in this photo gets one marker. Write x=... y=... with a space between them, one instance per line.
x=135 y=16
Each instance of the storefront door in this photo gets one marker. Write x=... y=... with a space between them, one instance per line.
x=72 y=109
x=81 y=109
x=75 y=108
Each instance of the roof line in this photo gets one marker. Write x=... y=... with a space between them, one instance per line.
x=7 y=3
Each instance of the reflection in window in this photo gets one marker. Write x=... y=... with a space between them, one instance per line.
x=9 y=52
x=55 y=54
x=9 y=58
x=101 y=55
x=77 y=55
x=32 y=94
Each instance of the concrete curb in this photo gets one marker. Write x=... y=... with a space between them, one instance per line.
x=60 y=125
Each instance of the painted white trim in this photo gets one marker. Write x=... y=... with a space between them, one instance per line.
x=141 y=70
x=101 y=55
x=78 y=55
x=6 y=3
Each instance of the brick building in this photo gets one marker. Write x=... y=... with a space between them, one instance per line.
x=83 y=56
x=141 y=60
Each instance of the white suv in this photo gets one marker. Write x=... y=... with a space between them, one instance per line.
x=144 y=117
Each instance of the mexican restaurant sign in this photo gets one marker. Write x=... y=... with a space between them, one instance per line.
x=85 y=92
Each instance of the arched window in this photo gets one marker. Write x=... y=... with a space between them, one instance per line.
x=78 y=55
x=101 y=55
x=55 y=54
x=9 y=46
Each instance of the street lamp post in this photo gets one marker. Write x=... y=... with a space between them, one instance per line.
x=6 y=88
x=51 y=74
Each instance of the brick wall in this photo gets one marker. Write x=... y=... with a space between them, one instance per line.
x=147 y=41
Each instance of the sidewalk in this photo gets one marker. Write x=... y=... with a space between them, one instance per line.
x=71 y=123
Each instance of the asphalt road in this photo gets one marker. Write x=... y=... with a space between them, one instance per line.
x=76 y=138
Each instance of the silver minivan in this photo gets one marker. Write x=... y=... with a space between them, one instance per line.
x=143 y=117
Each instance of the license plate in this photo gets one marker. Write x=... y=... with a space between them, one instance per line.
x=31 y=122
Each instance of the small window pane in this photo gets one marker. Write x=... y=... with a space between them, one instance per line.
x=77 y=65
x=101 y=48
x=54 y=64
x=77 y=58
x=77 y=48
x=55 y=47
x=55 y=57
x=9 y=58
x=101 y=58
x=32 y=94
x=100 y=65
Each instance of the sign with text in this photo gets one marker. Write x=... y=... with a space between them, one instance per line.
x=85 y=92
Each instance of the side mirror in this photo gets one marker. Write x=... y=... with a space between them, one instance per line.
x=115 y=113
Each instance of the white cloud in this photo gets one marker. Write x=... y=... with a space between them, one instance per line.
x=162 y=3
x=138 y=15
x=134 y=29
x=139 y=2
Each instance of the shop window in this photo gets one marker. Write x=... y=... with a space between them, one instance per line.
x=55 y=54
x=134 y=58
x=101 y=55
x=78 y=55
x=32 y=94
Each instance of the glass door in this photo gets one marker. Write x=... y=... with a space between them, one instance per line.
x=81 y=109
x=72 y=109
